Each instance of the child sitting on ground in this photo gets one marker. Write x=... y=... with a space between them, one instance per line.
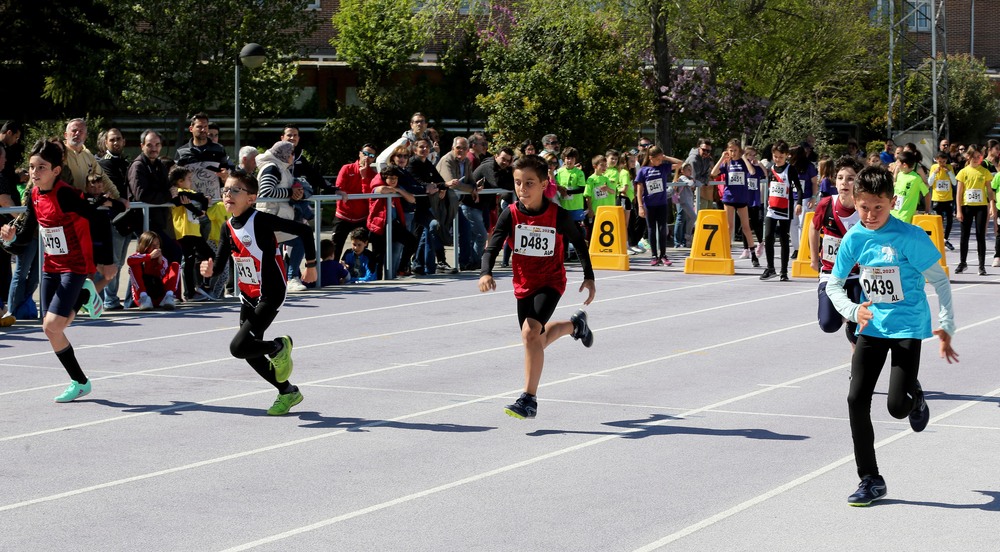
x=154 y=279
x=332 y=272
x=358 y=259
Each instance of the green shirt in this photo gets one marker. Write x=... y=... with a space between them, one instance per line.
x=622 y=180
x=996 y=183
x=571 y=179
x=909 y=189
x=606 y=198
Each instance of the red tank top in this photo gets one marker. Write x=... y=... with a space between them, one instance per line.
x=248 y=256
x=538 y=251
x=65 y=236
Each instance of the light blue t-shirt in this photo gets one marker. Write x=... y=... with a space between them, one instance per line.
x=900 y=246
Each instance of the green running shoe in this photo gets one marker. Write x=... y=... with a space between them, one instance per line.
x=284 y=403
x=75 y=391
x=95 y=304
x=282 y=362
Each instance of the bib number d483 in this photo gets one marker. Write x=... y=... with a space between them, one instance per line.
x=534 y=241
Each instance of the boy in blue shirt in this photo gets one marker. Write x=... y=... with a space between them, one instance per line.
x=359 y=261
x=894 y=257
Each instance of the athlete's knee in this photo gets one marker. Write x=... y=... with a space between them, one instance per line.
x=831 y=324
x=236 y=347
x=531 y=332
x=899 y=407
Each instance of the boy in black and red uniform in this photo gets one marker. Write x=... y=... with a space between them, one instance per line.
x=249 y=237
x=535 y=229
x=834 y=216
x=67 y=222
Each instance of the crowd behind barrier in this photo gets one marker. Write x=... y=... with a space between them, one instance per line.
x=665 y=192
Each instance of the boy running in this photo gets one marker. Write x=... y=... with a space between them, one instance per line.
x=249 y=237
x=535 y=228
x=895 y=258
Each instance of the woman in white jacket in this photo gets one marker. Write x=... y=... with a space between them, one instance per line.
x=275 y=181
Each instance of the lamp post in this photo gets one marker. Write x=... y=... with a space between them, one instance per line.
x=252 y=56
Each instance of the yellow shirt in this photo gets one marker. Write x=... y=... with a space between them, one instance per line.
x=941 y=182
x=80 y=166
x=975 y=181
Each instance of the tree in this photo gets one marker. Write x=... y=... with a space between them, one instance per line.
x=560 y=66
x=53 y=56
x=177 y=57
x=972 y=98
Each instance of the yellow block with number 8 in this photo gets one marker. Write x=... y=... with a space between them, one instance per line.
x=607 y=246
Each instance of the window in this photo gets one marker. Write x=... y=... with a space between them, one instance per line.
x=313 y=5
x=918 y=15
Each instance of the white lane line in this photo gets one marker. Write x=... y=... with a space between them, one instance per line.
x=392 y=334
x=796 y=482
x=341 y=431
x=707 y=522
x=174 y=337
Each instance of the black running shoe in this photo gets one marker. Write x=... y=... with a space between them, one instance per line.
x=783 y=277
x=982 y=271
x=920 y=414
x=961 y=268
x=524 y=407
x=768 y=274
x=580 y=329
x=872 y=488
x=754 y=260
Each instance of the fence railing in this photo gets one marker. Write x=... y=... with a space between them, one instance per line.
x=318 y=201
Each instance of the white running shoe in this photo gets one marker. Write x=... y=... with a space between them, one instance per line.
x=168 y=302
x=745 y=254
x=760 y=249
x=145 y=303
x=295 y=285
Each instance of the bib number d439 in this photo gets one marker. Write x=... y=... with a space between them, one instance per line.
x=882 y=284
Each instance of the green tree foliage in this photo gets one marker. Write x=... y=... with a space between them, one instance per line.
x=53 y=55
x=560 y=66
x=973 y=100
x=178 y=57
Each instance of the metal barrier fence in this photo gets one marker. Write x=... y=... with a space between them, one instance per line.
x=317 y=201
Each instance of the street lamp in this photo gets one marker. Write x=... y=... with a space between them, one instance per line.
x=252 y=56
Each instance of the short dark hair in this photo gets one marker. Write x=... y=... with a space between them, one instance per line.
x=11 y=126
x=533 y=163
x=704 y=142
x=780 y=146
x=848 y=161
x=246 y=179
x=570 y=151
x=389 y=170
x=288 y=126
x=326 y=248
x=213 y=126
x=360 y=233
x=908 y=158
x=177 y=174
x=49 y=151
x=146 y=133
x=875 y=181
x=508 y=151
x=199 y=116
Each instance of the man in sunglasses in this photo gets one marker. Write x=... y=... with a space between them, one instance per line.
x=701 y=167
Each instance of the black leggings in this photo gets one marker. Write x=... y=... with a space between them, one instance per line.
x=866 y=366
x=947 y=211
x=753 y=213
x=249 y=342
x=829 y=319
x=538 y=306
x=771 y=226
x=973 y=214
x=195 y=249
x=657 y=217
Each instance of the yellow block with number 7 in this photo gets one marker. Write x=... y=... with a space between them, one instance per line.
x=710 y=247
x=607 y=242
x=935 y=231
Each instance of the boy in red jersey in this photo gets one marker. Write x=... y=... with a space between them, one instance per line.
x=67 y=223
x=834 y=216
x=249 y=237
x=534 y=228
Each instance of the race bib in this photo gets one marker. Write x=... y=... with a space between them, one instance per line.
x=654 y=186
x=831 y=245
x=942 y=185
x=55 y=241
x=600 y=194
x=898 y=203
x=738 y=178
x=753 y=184
x=534 y=241
x=882 y=284
x=777 y=189
x=246 y=270
x=974 y=195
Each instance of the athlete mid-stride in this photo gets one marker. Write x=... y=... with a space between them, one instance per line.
x=535 y=228
x=261 y=272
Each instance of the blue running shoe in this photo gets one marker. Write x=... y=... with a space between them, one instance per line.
x=920 y=414
x=94 y=306
x=581 y=330
x=872 y=488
